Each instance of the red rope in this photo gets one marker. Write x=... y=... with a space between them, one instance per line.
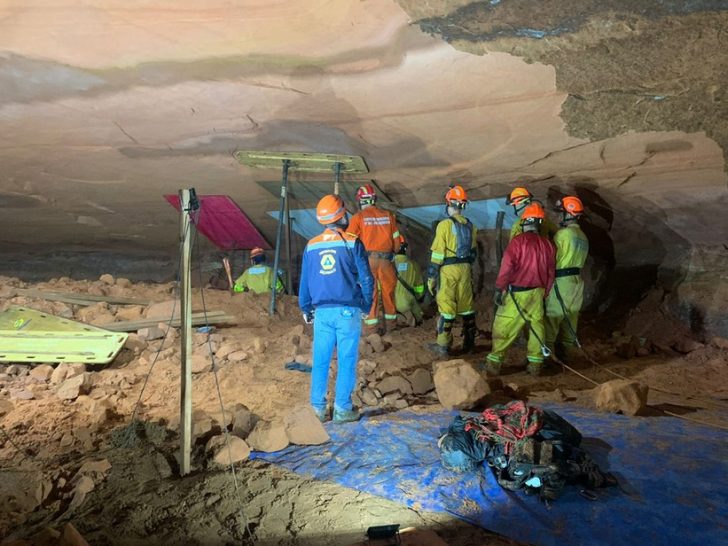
x=508 y=424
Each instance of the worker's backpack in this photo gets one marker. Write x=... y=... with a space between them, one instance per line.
x=464 y=236
x=526 y=448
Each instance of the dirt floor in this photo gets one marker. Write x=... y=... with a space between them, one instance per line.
x=71 y=460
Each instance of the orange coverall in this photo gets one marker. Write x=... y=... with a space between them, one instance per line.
x=378 y=231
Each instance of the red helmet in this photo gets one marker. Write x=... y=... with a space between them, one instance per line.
x=518 y=195
x=257 y=251
x=533 y=212
x=330 y=209
x=570 y=205
x=456 y=197
x=366 y=193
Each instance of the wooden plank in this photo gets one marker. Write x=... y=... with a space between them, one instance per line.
x=198 y=319
x=77 y=298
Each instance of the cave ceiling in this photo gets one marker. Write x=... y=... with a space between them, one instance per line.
x=106 y=107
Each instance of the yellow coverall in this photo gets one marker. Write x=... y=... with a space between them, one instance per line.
x=572 y=248
x=547 y=229
x=455 y=291
x=409 y=272
x=258 y=279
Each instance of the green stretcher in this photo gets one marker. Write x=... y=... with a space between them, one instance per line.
x=27 y=335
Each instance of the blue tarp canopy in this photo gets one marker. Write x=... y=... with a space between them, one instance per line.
x=672 y=479
x=482 y=213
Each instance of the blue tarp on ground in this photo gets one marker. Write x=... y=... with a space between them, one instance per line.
x=673 y=477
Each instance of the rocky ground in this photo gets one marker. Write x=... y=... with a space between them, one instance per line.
x=69 y=455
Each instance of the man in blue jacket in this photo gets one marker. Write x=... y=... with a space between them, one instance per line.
x=336 y=287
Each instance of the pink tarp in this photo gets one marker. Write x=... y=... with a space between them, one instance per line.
x=221 y=220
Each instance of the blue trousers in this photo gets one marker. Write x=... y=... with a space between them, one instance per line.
x=338 y=327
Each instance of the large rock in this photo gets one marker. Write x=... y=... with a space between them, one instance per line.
x=201 y=360
x=375 y=340
x=304 y=428
x=71 y=388
x=458 y=384
x=66 y=370
x=163 y=310
x=217 y=447
x=268 y=436
x=621 y=396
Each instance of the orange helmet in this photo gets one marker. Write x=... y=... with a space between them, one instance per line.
x=330 y=209
x=456 y=197
x=518 y=195
x=570 y=205
x=366 y=193
x=533 y=212
x=257 y=251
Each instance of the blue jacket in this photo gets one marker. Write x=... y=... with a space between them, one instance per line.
x=335 y=272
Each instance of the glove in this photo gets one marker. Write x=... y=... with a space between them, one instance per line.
x=432 y=285
x=498 y=297
x=308 y=317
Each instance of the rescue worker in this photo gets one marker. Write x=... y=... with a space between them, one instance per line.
x=564 y=301
x=377 y=229
x=336 y=288
x=410 y=286
x=520 y=198
x=449 y=277
x=259 y=277
x=524 y=280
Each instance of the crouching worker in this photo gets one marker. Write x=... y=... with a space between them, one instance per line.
x=410 y=286
x=336 y=288
x=524 y=280
x=565 y=300
x=259 y=277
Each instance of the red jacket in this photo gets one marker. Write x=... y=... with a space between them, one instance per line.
x=528 y=262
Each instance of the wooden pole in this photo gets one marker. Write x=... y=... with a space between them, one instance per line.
x=337 y=177
x=185 y=418
x=279 y=233
x=289 y=267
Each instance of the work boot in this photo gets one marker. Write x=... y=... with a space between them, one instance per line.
x=345 y=416
x=534 y=368
x=492 y=368
x=321 y=413
x=439 y=350
x=469 y=333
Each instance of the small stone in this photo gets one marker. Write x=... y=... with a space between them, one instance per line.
x=421 y=381
x=621 y=396
x=67 y=439
x=243 y=421
x=84 y=486
x=391 y=398
x=720 y=342
x=238 y=356
x=107 y=279
x=42 y=373
x=25 y=394
x=367 y=397
x=201 y=360
x=458 y=384
x=367 y=366
x=304 y=428
x=268 y=437
x=687 y=345
x=226 y=349
x=394 y=383
x=96 y=470
x=375 y=340
x=202 y=423
x=17 y=370
x=401 y=403
x=129 y=312
x=124 y=283
x=135 y=343
x=217 y=446
x=259 y=345
x=151 y=333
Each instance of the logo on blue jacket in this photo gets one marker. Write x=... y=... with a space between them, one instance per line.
x=328 y=262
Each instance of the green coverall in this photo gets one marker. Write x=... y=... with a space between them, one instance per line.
x=409 y=272
x=547 y=229
x=572 y=248
x=508 y=324
x=258 y=279
x=455 y=291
